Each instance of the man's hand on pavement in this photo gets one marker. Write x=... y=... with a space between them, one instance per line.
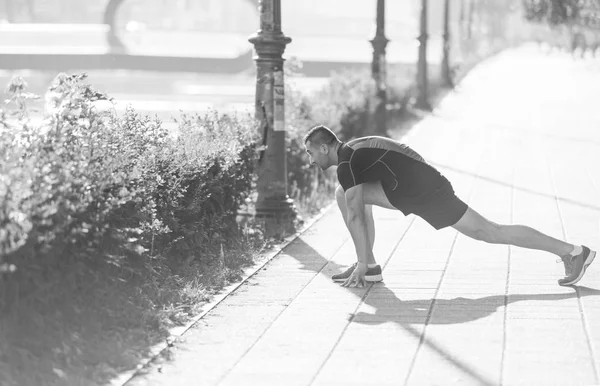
x=357 y=278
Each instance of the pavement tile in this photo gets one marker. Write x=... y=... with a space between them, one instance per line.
x=385 y=350
x=453 y=362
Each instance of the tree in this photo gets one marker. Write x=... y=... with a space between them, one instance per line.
x=554 y=12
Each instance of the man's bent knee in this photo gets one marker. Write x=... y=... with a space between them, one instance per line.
x=373 y=194
x=339 y=192
x=340 y=197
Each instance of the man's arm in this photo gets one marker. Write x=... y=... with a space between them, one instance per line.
x=356 y=223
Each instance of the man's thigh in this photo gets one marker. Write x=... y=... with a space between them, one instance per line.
x=373 y=194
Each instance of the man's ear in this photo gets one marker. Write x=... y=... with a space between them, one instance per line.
x=324 y=148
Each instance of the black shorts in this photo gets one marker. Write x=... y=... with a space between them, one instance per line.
x=440 y=208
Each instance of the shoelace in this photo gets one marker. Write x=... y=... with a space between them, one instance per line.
x=568 y=262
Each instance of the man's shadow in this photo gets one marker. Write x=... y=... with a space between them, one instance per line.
x=391 y=308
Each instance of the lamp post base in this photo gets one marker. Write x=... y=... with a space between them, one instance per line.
x=277 y=216
x=423 y=104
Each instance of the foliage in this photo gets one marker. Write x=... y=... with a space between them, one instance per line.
x=343 y=104
x=85 y=181
x=563 y=12
x=304 y=179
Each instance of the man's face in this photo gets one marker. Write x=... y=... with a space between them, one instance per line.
x=318 y=155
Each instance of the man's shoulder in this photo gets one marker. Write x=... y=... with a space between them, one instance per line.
x=375 y=142
x=345 y=153
x=345 y=175
x=383 y=143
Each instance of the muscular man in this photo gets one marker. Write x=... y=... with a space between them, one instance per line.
x=383 y=172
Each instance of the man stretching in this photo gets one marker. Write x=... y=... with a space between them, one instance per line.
x=383 y=172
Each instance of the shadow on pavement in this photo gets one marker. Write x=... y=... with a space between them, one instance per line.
x=408 y=313
x=455 y=311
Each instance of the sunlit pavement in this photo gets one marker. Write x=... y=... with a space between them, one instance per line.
x=519 y=140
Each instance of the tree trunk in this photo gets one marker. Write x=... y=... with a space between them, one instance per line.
x=446 y=74
x=470 y=19
x=31 y=10
x=422 y=76
x=10 y=11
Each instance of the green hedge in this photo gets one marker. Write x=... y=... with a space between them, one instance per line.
x=87 y=182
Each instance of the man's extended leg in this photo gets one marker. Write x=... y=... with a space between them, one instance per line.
x=476 y=226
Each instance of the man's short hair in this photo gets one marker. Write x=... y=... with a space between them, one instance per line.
x=320 y=135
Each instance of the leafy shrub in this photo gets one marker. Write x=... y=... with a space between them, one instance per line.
x=305 y=181
x=343 y=104
x=88 y=181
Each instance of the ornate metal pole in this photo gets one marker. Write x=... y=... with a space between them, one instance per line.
x=273 y=204
x=461 y=20
x=10 y=11
x=446 y=74
x=378 y=69
x=422 y=79
x=110 y=14
x=470 y=19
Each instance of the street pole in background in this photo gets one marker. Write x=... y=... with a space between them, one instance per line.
x=110 y=15
x=461 y=20
x=273 y=204
x=470 y=19
x=10 y=11
x=422 y=79
x=379 y=70
x=446 y=73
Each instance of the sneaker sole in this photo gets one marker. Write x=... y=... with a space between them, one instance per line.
x=370 y=279
x=588 y=261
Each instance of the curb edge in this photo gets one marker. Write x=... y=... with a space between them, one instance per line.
x=176 y=332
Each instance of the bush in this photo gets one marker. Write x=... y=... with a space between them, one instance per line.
x=86 y=182
x=343 y=104
x=305 y=182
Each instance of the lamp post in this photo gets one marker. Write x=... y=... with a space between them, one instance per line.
x=470 y=19
x=422 y=79
x=378 y=69
x=461 y=20
x=273 y=205
x=110 y=14
x=446 y=74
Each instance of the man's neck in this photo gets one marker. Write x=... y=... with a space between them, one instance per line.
x=337 y=147
x=336 y=152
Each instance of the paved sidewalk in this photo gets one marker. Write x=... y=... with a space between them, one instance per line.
x=520 y=141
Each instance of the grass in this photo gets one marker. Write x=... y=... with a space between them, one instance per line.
x=100 y=320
